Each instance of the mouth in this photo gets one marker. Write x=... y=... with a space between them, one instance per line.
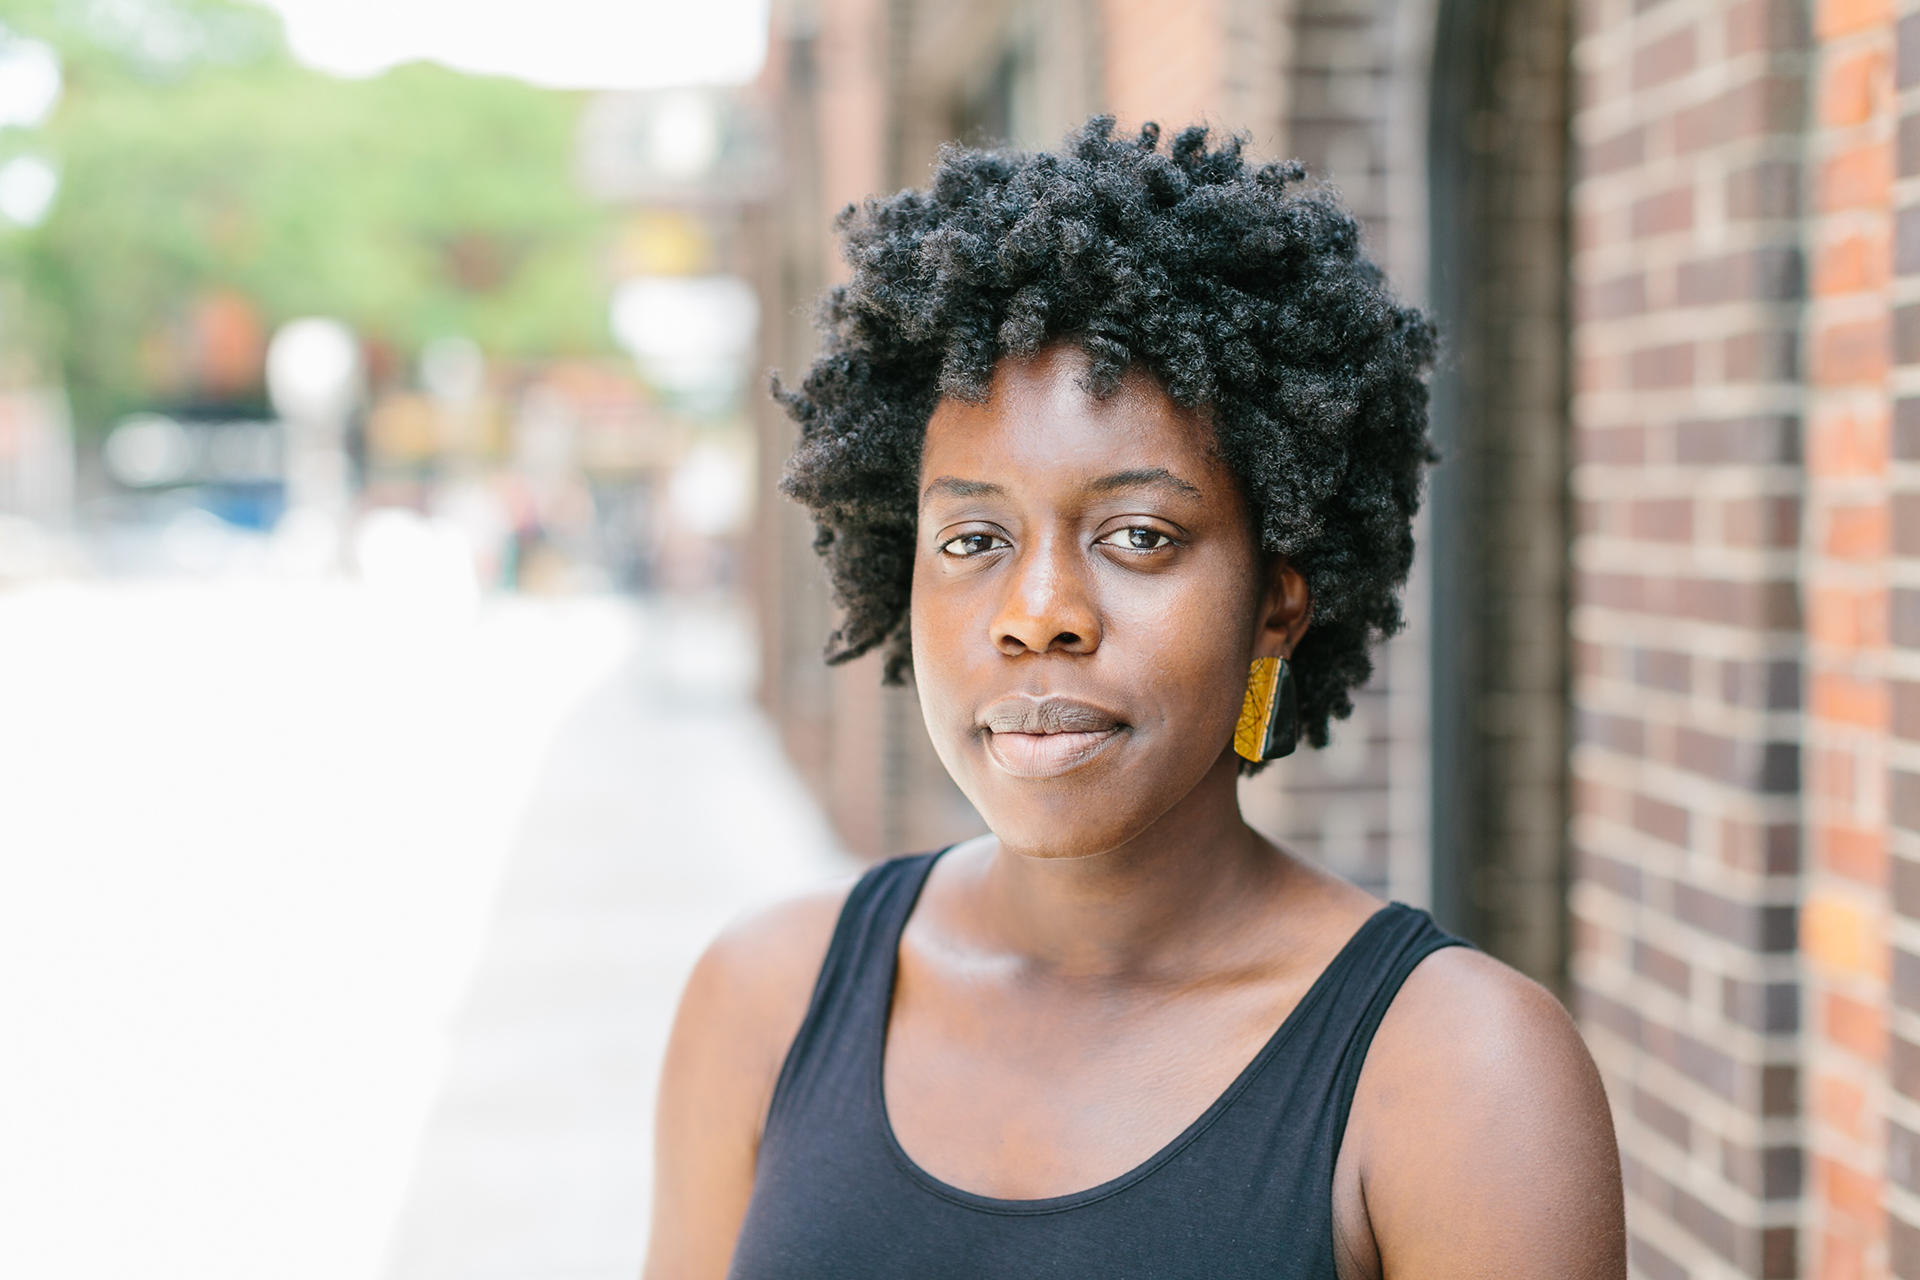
x=1047 y=737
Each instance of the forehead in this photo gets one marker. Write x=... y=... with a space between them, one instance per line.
x=1040 y=422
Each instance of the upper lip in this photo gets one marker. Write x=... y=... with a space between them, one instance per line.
x=1048 y=714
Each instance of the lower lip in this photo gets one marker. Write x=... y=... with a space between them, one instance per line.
x=1046 y=755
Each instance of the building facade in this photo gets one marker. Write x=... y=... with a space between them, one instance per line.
x=1653 y=731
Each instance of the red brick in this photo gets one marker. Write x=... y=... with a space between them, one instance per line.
x=1906 y=524
x=1766 y=521
x=1600 y=372
x=1842 y=1258
x=1846 y=700
x=1856 y=533
x=1848 y=443
x=1754 y=26
x=1665 y=213
x=1857 y=262
x=1856 y=87
x=1601 y=800
x=1906 y=709
x=1860 y=177
x=1663 y=967
x=1852 y=352
x=1839 y=17
x=1661 y=820
x=1855 y=853
x=1833 y=773
x=1854 y=1026
x=1670 y=365
x=1906 y=147
x=1759 y=849
x=1611 y=446
x=1611 y=299
x=1758 y=439
x=1666 y=58
x=1661 y=520
x=1624 y=150
x=1769 y=355
x=1761 y=106
x=1840 y=1105
x=1839 y=936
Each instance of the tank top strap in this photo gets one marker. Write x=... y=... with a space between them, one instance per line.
x=853 y=990
x=1346 y=1006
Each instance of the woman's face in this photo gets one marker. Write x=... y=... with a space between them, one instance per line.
x=1087 y=596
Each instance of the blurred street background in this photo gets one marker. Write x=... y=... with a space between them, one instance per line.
x=378 y=735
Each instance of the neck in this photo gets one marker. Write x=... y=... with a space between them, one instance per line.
x=1138 y=910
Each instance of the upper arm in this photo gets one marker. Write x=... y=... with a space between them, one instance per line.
x=1489 y=1147
x=742 y=1005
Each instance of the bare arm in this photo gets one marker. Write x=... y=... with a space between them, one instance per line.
x=742 y=1005
x=1489 y=1146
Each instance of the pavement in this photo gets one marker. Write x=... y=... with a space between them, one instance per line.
x=340 y=931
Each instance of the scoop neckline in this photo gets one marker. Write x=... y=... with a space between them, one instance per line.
x=877 y=1075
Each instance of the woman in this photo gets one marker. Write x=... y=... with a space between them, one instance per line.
x=1117 y=450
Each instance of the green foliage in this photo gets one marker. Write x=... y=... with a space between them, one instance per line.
x=199 y=156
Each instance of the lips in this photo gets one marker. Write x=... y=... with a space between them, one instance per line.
x=1046 y=737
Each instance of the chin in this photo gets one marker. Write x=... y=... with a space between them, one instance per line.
x=1055 y=819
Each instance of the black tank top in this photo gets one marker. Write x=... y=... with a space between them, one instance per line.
x=1245 y=1190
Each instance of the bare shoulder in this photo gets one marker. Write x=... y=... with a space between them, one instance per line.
x=754 y=981
x=1486 y=1145
x=743 y=1002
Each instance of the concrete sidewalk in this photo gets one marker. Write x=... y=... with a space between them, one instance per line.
x=662 y=807
x=340 y=929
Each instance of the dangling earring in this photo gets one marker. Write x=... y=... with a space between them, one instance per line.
x=1270 y=716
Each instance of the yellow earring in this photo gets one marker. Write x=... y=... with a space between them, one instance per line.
x=1270 y=714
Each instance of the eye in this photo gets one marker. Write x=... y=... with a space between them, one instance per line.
x=970 y=544
x=1139 y=537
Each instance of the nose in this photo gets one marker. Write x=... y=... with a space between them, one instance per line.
x=1049 y=603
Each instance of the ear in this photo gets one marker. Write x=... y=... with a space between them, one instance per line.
x=1285 y=609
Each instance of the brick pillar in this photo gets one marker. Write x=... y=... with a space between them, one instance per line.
x=1843 y=565
x=1688 y=132
x=1901 y=1097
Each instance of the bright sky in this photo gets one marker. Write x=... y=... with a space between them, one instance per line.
x=579 y=44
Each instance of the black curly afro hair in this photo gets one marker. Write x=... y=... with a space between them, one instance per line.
x=1243 y=291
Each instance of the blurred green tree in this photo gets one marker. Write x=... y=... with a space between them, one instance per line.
x=196 y=157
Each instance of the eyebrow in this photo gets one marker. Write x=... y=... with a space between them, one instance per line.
x=1137 y=478
x=1146 y=478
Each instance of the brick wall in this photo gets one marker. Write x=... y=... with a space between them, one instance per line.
x=1901 y=1077
x=1843 y=563
x=1688 y=143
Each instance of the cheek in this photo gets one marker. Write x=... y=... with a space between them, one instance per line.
x=1197 y=639
x=932 y=636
